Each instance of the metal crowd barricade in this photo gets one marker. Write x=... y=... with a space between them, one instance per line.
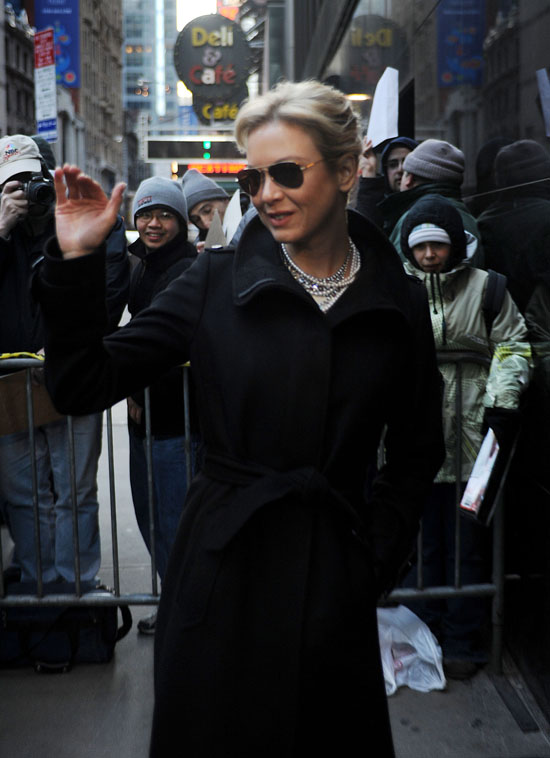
x=495 y=588
x=82 y=595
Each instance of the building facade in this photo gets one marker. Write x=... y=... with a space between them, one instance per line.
x=17 y=77
x=100 y=103
x=89 y=122
x=149 y=76
x=467 y=68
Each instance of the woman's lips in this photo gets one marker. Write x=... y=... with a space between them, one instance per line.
x=279 y=219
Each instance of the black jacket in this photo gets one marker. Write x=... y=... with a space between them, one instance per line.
x=152 y=273
x=515 y=230
x=371 y=192
x=21 y=327
x=266 y=638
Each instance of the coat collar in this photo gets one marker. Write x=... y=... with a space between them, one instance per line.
x=381 y=283
x=163 y=257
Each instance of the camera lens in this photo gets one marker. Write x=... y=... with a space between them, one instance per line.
x=40 y=192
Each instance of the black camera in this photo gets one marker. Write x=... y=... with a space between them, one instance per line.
x=39 y=190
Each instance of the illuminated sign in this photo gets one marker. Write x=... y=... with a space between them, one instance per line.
x=229 y=8
x=212 y=58
x=218 y=167
x=374 y=42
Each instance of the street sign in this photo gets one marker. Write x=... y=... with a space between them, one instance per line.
x=45 y=85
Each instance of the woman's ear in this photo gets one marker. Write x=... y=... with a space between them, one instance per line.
x=347 y=171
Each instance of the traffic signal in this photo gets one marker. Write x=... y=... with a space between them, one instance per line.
x=206 y=147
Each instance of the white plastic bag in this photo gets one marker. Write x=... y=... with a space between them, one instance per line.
x=410 y=653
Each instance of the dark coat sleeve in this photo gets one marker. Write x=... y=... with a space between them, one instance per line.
x=118 y=274
x=414 y=451
x=369 y=194
x=87 y=371
x=6 y=250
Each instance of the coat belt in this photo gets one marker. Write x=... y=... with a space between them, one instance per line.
x=263 y=486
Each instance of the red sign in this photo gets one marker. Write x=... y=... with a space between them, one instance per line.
x=44 y=49
x=229 y=8
x=218 y=167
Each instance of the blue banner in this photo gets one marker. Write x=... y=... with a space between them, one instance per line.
x=187 y=118
x=64 y=18
x=460 y=35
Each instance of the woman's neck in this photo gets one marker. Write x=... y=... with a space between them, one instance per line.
x=321 y=258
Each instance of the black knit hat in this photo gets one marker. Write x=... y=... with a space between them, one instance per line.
x=407 y=142
x=45 y=151
x=522 y=161
x=435 y=209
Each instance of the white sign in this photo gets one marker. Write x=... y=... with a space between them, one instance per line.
x=45 y=85
x=233 y=216
x=385 y=105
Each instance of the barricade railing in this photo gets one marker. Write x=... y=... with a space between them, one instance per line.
x=83 y=591
x=493 y=589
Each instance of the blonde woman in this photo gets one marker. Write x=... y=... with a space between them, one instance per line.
x=266 y=639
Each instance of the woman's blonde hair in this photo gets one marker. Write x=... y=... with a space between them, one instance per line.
x=322 y=111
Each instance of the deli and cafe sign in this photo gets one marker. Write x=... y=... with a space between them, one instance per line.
x=212 y=58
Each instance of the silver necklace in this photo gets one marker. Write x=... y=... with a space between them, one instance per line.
x=327 y=289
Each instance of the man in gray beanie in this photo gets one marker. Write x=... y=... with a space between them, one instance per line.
x=161 y=254
x=433 y=160
x=435 y=167
x=204 y=197
x=159 y=192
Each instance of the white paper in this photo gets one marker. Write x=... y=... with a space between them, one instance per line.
x=233 y=216
x=385 y=107
x=544 y=92
x=215 y=235
x=481 y=473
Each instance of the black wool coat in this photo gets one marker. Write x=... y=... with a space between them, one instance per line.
x=266 y=641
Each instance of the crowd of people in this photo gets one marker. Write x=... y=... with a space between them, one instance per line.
x=273 y=558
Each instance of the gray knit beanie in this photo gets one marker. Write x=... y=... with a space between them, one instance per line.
x=160 y=192
x=197 y=187
x=437 y=160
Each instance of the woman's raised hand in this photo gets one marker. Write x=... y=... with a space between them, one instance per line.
x=84 y=215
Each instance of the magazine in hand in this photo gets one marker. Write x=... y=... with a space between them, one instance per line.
x=480 y=485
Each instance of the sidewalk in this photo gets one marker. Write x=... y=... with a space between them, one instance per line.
x=101 y=711
x=467 y=720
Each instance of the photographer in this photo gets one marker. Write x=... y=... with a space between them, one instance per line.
x=27 y=206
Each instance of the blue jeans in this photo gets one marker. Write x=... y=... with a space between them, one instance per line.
x=54 y=498
x=169 y=490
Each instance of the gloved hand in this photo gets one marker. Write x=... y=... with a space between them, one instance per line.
x=505 y=423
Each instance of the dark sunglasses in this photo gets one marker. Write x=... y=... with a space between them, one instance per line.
x=287 y=174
